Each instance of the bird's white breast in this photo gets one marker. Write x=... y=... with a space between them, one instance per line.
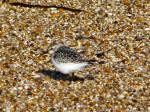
x=69 y=67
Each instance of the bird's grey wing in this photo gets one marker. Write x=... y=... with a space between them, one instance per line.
x=65 y=54
x=73 y=56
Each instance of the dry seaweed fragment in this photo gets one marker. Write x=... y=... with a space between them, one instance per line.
x=44 y=6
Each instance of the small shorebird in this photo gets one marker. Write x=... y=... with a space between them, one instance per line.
x=66 y=60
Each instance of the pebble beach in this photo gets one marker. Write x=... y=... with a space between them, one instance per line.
x=116 y=33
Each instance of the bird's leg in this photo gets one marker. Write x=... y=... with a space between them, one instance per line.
x=72 y=75
x=71 y=78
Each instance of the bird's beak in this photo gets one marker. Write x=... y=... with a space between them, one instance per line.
x=51 y=49
x=50 y=52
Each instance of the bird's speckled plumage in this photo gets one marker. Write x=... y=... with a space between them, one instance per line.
x=67 y=60
x=64 y=54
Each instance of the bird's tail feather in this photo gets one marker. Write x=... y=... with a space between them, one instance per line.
x=92 y=61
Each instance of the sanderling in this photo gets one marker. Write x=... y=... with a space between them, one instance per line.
x=66 y=60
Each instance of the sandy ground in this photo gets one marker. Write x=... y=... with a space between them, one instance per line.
x=116 y=32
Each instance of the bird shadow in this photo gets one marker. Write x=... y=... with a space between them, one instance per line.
x=60 y=76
